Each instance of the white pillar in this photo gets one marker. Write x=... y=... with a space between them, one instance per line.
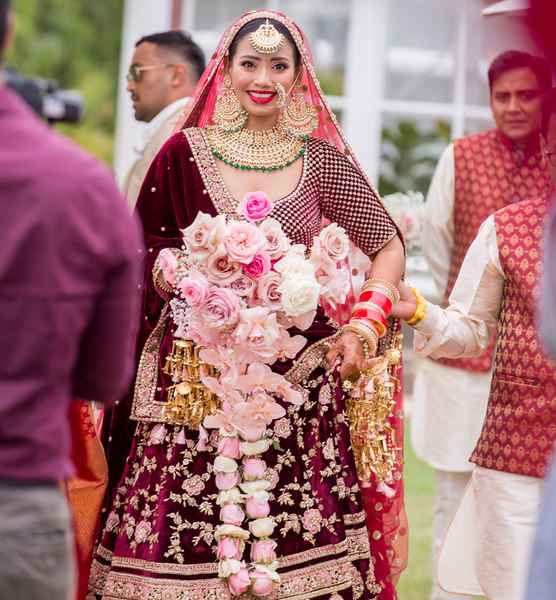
x=141 y=17
x=364 y=84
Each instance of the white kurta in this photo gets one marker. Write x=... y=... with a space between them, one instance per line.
x=449 y=403
x=487 y=546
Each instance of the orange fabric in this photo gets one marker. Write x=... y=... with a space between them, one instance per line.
x=86 y=489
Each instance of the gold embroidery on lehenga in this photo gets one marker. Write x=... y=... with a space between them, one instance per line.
x=144 y=406
x=305 y=583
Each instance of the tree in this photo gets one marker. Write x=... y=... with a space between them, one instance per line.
x=77 y=44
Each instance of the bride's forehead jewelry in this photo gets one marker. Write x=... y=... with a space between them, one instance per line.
x=267 y=39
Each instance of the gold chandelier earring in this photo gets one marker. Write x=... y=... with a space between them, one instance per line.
x=300 y=118
x=229 y=115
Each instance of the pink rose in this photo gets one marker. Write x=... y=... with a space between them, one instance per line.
x=263 y=551
x=168 y=263
x=229 y=446
x=243 y=286
x=259 y=266
x=239 y=582
x=221 y=309
x=256 y=509
x=220 y=268
x=229 y=548
x=232 y=514
x=226 y=481
x=194 y=288
x=267 y=290
x=276 y=243
x=334 y=242
x=254 y=468
x=262 y=583
x=255 y=206
x=197 y=236
x=243 y=241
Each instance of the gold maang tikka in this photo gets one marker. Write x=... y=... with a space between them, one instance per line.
x=267 y=39
x=229 y=115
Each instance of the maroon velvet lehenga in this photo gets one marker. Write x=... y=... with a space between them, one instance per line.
x=334 y=541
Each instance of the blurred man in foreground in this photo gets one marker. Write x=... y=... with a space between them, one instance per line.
x=164 y=71
x=475 y=176
x=68 y=297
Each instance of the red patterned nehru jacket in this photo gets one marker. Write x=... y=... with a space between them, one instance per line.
x=490 y=173
x=520 y=425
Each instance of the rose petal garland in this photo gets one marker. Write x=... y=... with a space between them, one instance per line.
x=239 y=284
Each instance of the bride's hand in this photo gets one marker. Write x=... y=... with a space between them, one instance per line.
x=407 y=305
x=350 y=348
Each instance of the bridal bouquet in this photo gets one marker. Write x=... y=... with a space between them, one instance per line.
x=239 y=285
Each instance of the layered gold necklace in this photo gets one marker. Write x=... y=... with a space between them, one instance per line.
x=250 y=150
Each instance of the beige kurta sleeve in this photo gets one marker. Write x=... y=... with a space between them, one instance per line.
x=464 y=328
x=438 y=222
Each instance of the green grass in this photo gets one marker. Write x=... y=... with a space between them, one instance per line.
x=416 y=581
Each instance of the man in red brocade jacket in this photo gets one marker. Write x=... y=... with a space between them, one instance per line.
x=476 y=176
x=487 y=546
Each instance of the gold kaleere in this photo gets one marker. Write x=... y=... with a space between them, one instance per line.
x=370 y=404
x=267 y=39
x=189 y=401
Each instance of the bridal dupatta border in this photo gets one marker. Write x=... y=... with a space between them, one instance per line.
x=334 y=571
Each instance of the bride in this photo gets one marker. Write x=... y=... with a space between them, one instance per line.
x=259 y=121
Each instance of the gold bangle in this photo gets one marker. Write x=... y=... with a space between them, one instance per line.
x=382 y=285
x=367 y=336
x=378 y=327
x=420 y=310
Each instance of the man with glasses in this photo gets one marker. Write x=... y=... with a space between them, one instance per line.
x=475 y=176
x=164 y=71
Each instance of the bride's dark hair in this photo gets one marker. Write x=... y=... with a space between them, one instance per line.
x=253 y=25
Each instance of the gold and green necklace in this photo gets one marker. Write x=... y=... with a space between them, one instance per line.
x=249 y=150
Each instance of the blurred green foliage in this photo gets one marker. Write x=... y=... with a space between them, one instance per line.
x=409 y=154
x=77 y=44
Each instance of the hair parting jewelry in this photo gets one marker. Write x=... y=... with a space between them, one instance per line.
x=267 y=39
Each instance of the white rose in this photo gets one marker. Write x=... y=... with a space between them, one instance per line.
x=276 y=241
x=262 y=527
x=228 y=567
x=231 y=531
x=261 y=496
x=223 y=464
x=300 y=295
x=254 y=448
x=232 y=496
x=270 y=569
x=252 y=487
x=293 y=265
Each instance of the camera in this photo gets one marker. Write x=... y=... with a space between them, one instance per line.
x=46 y=98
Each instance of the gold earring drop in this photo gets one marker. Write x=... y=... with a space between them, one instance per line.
x=300 y=118
x=229 y=115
